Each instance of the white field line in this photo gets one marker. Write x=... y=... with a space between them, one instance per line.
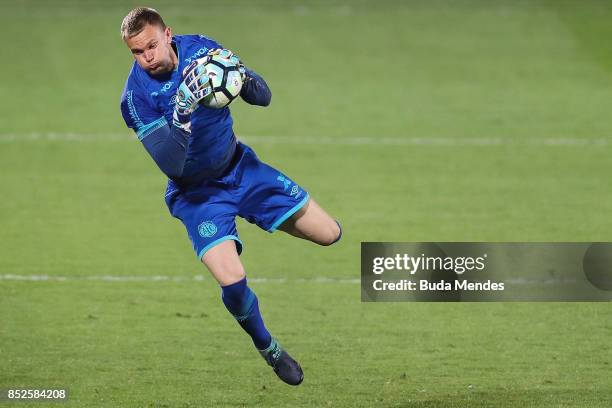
x=340 y=141
x=109 y=278
x=201 y=278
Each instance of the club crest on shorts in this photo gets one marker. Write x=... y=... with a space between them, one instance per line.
x=207 y=229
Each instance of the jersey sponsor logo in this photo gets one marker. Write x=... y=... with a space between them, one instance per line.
x=166 y=87
x=199 y=53
x=207 y=229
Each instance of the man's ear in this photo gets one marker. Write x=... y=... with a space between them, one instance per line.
x=168 y=34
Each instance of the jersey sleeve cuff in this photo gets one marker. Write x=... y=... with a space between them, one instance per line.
x=146 y=130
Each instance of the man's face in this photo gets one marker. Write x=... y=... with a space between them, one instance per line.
x=152 y=49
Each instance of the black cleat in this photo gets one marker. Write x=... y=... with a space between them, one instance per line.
x=285 y=367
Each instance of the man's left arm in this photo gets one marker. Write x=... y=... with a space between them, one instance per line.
x=255 y=91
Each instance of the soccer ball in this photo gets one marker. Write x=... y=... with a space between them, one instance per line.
x=225 y=81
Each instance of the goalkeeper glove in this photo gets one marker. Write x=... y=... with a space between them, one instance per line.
x=194 y=87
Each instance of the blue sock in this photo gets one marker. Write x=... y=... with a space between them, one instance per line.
x=242 y=303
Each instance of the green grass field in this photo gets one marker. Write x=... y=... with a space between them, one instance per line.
x=409 y=121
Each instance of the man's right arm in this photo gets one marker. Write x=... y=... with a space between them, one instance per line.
x=166 y=143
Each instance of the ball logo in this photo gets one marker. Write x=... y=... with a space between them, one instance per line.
x=207 y=229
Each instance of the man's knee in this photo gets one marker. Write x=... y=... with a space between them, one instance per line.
x=331 y=234
x=224 y=263
x=227 y=273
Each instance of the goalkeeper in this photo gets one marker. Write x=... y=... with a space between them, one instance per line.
x=212 y=176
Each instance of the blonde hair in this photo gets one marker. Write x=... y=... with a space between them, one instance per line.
x=137 y=19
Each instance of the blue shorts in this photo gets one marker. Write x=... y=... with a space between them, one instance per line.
x=249 y=188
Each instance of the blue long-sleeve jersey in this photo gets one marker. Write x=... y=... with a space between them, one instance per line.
x=147 y=104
